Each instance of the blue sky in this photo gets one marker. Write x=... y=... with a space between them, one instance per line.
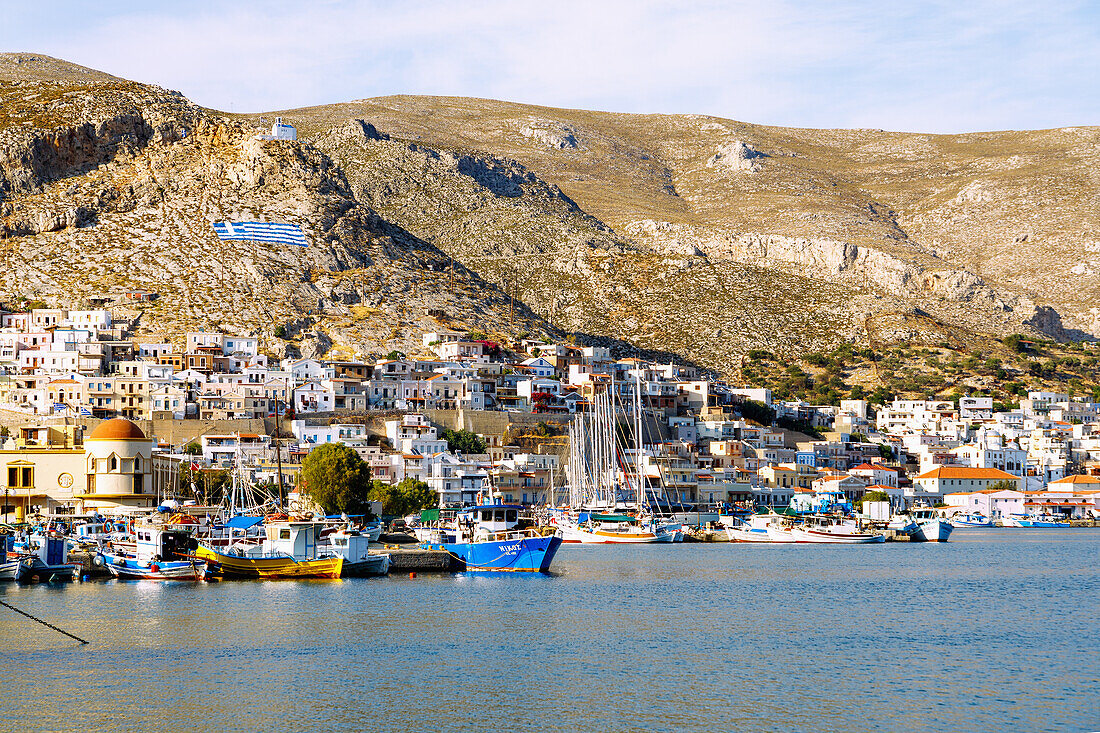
x=922 y=66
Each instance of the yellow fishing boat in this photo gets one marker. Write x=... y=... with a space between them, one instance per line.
x=289 y=550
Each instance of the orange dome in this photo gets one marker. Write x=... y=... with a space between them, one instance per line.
x=117 y=429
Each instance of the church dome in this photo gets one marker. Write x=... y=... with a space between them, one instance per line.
x=117 y=429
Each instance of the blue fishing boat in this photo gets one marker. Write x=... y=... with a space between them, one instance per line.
x=46 y=559
x=976 y=519
x=1034 y=520
x=494 y=538
x=161 y=555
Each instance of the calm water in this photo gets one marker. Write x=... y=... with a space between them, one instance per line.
x=996 y=630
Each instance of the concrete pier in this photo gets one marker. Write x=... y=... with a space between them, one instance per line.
x=414 y=559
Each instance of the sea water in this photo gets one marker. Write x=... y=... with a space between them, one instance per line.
x=994 y=631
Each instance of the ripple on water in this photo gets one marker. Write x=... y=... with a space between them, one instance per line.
x=991 y=631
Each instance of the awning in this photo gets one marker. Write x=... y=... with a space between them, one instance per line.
x=243 y=522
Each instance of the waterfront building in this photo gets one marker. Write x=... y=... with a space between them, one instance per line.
x=951 y=479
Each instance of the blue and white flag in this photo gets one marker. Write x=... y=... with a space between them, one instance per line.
x=260 y=231
x=85 y=412
x=60 y=407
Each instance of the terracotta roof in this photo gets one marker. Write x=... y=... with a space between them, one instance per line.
x=117 y=429
x=1088 y=480
x=965 y=472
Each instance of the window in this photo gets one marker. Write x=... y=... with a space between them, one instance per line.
x=20 y=477
x=112 y=463
x=284 y=534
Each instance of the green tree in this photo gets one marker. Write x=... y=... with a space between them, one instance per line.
x=405 y=498
x=757 y=412
x=192 y=449
x=335 y=477
x=871 y=496
x=1004 y=485
x=464 y=441
x=1015 y=342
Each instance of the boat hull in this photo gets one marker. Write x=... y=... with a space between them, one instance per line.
x=525 y=555
x=269 y=568
x=935 y=530
x=781 y=536
x=34 y=569
x=737 y=534
x=369 y=566
x=126 y=568
x=7 y=569
x=606 y=537
x=803 y=534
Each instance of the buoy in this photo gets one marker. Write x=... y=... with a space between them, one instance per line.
x=412 y=575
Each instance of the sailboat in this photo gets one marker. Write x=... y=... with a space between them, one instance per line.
x=594 y=466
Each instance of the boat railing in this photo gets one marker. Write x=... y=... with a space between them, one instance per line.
x=513 y=534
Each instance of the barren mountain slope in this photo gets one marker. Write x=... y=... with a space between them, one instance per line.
x=694 y=235
x=1003 y=220
x=110 y=186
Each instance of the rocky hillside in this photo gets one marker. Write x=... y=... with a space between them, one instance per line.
x=109 y=186
x=695 y=235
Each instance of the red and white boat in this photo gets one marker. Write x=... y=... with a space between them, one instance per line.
x=833 y=532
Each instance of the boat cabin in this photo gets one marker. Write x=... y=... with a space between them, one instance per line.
x=154 y=543
x=352 y=545
x=488 y=520
x=92 y=530
x=493 y=517
x=295 y=539
x=50 y=549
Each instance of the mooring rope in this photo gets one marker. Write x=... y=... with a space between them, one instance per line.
x=44 y=623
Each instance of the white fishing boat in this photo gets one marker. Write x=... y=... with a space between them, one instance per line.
x=161 y=554
x=753 y=529
x=46 y=558
x=930 y=526
x=780 y=533
x=1034 y=521
x=832 y=531
x=354 y=547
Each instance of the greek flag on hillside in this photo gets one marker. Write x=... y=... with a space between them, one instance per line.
x=261 y=231
x=85 y=412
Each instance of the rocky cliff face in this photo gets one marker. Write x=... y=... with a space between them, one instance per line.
x=125 y=201
x=683 y=234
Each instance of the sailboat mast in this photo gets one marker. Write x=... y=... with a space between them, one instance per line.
x=638 y=435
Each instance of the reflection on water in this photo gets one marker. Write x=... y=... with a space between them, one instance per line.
x=992 y=631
